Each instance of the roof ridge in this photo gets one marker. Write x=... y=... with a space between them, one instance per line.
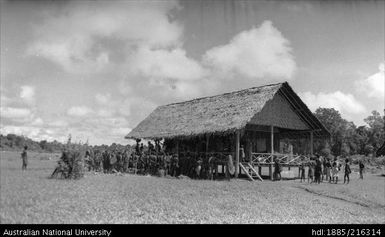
x=227 y=93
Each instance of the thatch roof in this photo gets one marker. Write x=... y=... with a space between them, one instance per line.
x=226 y=113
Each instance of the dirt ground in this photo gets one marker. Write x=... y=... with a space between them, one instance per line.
x=31 y=197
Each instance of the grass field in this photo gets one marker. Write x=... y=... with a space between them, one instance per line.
x=31 y=197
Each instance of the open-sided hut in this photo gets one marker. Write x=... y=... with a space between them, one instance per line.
x=250 y=124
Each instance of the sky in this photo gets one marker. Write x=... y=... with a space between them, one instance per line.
x=95 y=69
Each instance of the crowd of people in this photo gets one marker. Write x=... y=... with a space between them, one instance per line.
x=323 y=169
x=154 y=160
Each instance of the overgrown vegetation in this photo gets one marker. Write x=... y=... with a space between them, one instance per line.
x=347 y=138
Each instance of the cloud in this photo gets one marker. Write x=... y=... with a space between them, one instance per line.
x=128 y=105
x=79 y=111
x=4 y=100
x=28 y=94
x=75 y=37
x=105 y=113
x=37 y=122
x=256 y=53
x=136 y=108
x=374 y=85
x=15 y=113
x=20 y=109
x=101 y=130
x=29 y=131
x=58 y=123
x=166 y=64
x=345 y=103
x=34 y=132
x=103 y=99
x=121 y=131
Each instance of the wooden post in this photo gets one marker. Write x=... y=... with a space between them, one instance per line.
x=311 y=143
x=250 y=151
x=272 y=151
x=237 y=141
x=299 y=171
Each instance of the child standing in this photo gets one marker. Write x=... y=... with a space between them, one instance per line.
x=335 y=170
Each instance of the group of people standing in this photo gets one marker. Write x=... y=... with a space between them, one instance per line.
x=154 y=161
x=320 y=169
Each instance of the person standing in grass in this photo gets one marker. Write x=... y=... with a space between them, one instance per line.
x=277 y=170
x=328 y=168
x=361 y=167
x=24 y=158
x=318 y=171
x=310 y=172
x=324 y=173
x=335 y=170
x=347 y=171
x=230 y=169
x=302 y=172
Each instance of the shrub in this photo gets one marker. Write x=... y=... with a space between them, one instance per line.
x=70 y=165
x=368 y=149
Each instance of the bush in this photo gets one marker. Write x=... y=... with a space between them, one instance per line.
x=368 y=150
x=77 y=171
x=70 y=165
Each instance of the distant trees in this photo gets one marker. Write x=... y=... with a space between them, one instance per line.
x=346 y=137
x=16 y=142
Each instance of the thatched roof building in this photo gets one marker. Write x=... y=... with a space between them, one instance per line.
x=271 y=105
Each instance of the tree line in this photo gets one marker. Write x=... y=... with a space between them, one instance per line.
x=347 y=138
x=17 y=142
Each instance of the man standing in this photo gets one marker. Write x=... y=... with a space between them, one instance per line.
x=310 y=172
x=347 y=171
x=302 y=172
x=230 y=169
x=361 y=166
x=277 y=170
x=328 y=170
x=24 y=157
x=318 y=170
